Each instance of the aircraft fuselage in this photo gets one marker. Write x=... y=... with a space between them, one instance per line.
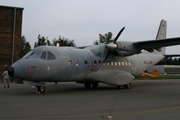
x=80 y=65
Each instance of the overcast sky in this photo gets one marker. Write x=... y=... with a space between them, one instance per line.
x=83 y=20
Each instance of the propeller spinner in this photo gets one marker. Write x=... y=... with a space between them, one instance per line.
x=114 y=45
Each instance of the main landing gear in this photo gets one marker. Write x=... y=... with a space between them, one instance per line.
x=88 y=84
x=41 y=89
x=127 y=86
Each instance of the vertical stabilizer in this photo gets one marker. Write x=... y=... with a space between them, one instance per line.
x=162 y=33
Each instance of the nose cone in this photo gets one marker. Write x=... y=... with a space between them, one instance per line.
x=15 y=70
x=11 y=71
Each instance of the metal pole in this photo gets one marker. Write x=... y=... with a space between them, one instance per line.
x=13 y=37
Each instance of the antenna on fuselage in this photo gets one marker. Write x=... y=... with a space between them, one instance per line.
x=47 y=42
x=57 y=44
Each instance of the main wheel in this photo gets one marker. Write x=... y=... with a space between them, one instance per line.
x=95 y=84
x=120 y=86
x=128 y=86
x=87 y=84
x=41 y=89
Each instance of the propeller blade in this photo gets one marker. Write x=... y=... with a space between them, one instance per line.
x=122 y=55
x=109 y=52
x=116 y=38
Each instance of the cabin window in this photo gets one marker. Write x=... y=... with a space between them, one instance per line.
x=43 y=55
x=85 y=62
x=51 y=56
x=111 y=63
x=119 y=63
x=70 y=62
x=115 y=63
x=77 y=63
x=129 y=64
x=122 y=63
x=95 y=62
x=107 y=62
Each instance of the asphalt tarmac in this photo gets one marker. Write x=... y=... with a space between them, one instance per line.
x=146 y=100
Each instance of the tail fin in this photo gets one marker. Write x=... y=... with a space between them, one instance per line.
x=162 y=33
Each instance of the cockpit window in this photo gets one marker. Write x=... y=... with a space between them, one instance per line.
x=32 y=54
x=43 y=55
x=35 y=54
x=40 y=54
x=51 y=56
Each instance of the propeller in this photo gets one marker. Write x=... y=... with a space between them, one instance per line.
x=117 y=36
x=115 y=39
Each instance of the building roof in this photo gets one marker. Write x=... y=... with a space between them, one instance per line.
x=11 y=7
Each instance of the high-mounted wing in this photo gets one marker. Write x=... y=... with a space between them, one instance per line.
x=156 y=44
x=126 y=48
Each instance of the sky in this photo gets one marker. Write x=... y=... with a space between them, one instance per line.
x=83 y=20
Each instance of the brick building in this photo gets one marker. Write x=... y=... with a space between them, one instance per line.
x=10 y=35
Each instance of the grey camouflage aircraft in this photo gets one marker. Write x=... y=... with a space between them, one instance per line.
x=117 y=63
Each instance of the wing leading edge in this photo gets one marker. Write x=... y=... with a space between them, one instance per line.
x=156 y=44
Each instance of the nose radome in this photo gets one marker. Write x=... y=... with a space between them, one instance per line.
x=15 y=70
x=11 y=71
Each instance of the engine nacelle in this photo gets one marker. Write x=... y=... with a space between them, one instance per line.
x=120 y=45
x=123 y=45
x=124 y=48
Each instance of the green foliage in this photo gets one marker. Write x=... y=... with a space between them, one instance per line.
x=170 y=61
x=41 y=41
x=25 y=46
x=105 y=39
x=63 y=42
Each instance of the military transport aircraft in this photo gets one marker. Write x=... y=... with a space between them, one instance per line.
x=117 y=63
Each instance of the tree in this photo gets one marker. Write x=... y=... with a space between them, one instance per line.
x=104 y=39
x=175 y=61
x=178 y=62
x=41 y=41
x=64 y=42
x=25 y=46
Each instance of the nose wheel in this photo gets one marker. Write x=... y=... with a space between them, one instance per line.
x=41 y=89
x=127 y=86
